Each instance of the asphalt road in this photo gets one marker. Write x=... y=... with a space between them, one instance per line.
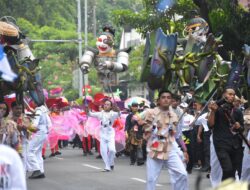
x=72 y=171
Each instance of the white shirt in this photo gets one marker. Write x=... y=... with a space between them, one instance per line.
x=178 y=111
x=12 y=175
x=106 y=119
x=186 y=121
x=202 y=120
x=42 y=120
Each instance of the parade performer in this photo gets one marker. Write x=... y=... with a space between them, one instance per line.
x=134 y=136
x=107 y=132
x=9 y=134
x=227 y=122
x=55 y=111
x=25 y=128
x=107 y=61
x=35 y=161
x=159 y=127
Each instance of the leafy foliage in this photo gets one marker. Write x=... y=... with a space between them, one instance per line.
x=149 y=19
x=57 y=19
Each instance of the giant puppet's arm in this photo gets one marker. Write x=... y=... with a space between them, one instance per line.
x=87 y=59
x=120 y=65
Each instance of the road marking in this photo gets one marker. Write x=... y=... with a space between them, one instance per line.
x=138 y=179
x=90 y=166
x=59 y=158
x=143 y=181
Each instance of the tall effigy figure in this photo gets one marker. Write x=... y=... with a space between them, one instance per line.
x=175 y=63
x=19 y=70
x=107 y=61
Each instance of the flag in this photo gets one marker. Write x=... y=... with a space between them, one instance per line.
x=5 y=70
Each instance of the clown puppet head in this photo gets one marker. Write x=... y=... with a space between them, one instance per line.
x=105 y=41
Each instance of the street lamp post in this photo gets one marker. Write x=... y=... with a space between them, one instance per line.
x=79 y=27
x=81 y=79
x=86 y=33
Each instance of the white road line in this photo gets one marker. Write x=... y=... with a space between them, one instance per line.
x=90 y=166
x=138 y=179
x=59 y=158
x=143 y=181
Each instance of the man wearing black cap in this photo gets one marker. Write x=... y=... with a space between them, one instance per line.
x=226 y=123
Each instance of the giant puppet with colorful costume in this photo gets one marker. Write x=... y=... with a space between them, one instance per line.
x=192 y=62
x=18 y=67
x=107 y=61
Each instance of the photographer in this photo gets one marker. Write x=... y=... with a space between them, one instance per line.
x=226 y=122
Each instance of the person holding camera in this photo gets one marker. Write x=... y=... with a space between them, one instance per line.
x=226 y=122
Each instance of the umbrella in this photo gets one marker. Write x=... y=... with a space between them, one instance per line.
x=138 y=100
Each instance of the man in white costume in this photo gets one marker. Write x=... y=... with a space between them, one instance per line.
x=35 y=160
x=107 y=133
x=159 y=129
x=12 y=175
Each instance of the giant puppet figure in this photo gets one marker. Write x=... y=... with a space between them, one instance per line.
x=18 y=67
x=107 y=61
x=174 y=63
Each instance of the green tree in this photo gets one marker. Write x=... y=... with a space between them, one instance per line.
x=57 y=19
x=224 y=17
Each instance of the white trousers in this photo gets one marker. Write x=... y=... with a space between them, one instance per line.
x=107 y=146
x=25 y=148
x=176 y=168
x=245 y=175
x=35 y=160
x=216 y=170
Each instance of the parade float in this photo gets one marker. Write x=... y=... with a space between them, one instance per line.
x=19 y=71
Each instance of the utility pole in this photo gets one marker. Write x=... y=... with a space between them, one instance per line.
x=94 y=19
x=86 y=34
x=79 y=28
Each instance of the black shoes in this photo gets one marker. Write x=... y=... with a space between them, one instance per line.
x=132 y=163
x=112 y=168
x=44 y=158
x=52 y=155
x=37 y=175
x=205 y=169
x=58 y=153
x=90 y=153
x=140 y=163
x=99 y=157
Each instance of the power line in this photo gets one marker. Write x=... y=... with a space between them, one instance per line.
x=56 y=41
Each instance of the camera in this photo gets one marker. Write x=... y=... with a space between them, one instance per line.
x=221 y=101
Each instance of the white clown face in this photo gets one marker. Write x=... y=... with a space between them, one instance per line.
x=104 y=43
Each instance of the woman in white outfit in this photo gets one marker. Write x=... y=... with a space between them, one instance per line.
x=107 y=133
